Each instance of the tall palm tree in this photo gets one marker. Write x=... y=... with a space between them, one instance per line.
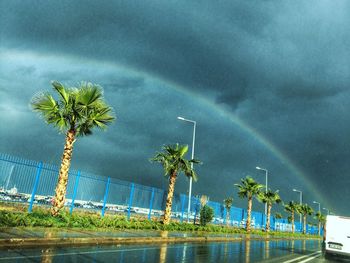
x=269 y=197
x=305 y=210
x=228 y=204
x=173 y=160
x=321 y=219
x=76 y=112
x=248 y=188
x=291 y=207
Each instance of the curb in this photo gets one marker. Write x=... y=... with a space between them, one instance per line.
x=62 y=242
x=44 y=242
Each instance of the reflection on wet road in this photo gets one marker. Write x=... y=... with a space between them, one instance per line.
x=245 y=251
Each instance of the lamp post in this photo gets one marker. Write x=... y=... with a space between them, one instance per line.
x=266 y=174
x=326 y=210
x=319 y=206
x=192 y=157
x=301 y=200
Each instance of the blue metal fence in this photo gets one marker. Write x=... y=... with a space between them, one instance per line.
x=34 y=183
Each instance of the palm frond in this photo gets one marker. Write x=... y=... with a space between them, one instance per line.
x=62 y=91
x=49 y=110
x=269 y=197
x=80 y=109
x=172 y=159
x=248 y=187
x=88 y=97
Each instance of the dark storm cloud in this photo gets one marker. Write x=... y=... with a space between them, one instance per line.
x=233 y=48
x=178 y=43
x=123 y=83
x=281 y=67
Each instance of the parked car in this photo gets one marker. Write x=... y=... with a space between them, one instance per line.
x=336 y=236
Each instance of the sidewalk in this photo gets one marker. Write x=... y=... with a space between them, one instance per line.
x=33 y=237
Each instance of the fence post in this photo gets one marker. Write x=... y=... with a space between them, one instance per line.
x=106 y=196
x=130 y=199
x=182 y=207
x=36 y=183
x=74 y=192
x=151 y=204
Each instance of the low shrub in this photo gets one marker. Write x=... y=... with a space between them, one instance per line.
x=41 y=217
x=206 y=215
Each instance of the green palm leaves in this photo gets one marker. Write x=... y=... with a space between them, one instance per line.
x=269 y=197
x=79 y=109
x=305 y=210
x=228 y=203
x=248 y=187
x=291 y=207
x=172 y=159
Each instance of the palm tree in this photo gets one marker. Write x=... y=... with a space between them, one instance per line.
x=291 y=207
x=278 y=215
x=76 y=112
x=269 y=197
x=321 y=219
x=173 y=161
x=248 y=189
x=228 y=204
x=305 y=210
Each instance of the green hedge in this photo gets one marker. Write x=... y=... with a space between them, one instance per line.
x=42 y=218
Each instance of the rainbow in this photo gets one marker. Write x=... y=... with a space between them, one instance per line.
x=273 y=149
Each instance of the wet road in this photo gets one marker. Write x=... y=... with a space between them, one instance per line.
x=245 y=251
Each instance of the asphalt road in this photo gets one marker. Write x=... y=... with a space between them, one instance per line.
x=245 y=251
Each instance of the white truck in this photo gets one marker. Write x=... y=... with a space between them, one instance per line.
x=337 y=236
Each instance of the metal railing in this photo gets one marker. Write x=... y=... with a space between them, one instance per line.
x=34 y=183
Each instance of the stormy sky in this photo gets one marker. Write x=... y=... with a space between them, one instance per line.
x=266 y=81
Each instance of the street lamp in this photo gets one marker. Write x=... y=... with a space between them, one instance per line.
x=319 y=206
x=192 y=157
x=301 y=200
x=266 y=173
x=326 y=210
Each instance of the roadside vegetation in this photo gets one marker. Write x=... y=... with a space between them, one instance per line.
x=79 y=110
x=41 y=217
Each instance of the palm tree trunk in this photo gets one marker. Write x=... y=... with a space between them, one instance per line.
x=293 y=222
x=304 y=226
x=319 y=228
x=61 y=188
x=169 y=199
x=268 y=218
x=249 y=212
x=228 y=216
